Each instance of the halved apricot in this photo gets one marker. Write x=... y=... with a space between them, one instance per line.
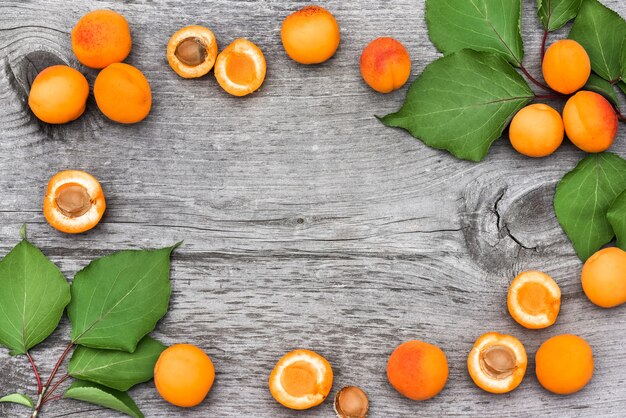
x=191 y=52
x=534 y=299
x=123 y=93
x=58 y=94
x=497 y=362
x=301 y=379
x=240 y=68
x=100 y=38
x=74 y=201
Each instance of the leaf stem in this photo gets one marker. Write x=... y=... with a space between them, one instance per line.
x=533 y=79
x=616 y=80
x=543 y=43
x=54 y=398
x=58 y=364
x=37 y=375
x=549 y=96
x=54 y=387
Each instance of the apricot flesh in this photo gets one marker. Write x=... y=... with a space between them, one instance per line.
x=385 y=65
x=310 y=35
x=240 y=68
x=534 y=299
x=564 y=364
x=590 y=121
x=604 y=277
x=123 y=93
x=58 y=94
x=536 y=130
x=101 y=38
x=566 y=66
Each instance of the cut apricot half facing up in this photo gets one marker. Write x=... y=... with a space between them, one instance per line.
x=534 y=299
x=240 y=68
x=74 y=201
x=191 y=52
x=497 y=362
x=301 y=379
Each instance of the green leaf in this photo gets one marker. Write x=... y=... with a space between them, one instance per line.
x=622 y=86
x=556 y=13
x=118 y=299
x=603 y=87
x=103 y=396
x=482 y=25
x=19 y=399
x=617 y=218
x=116 y=369
x=32 y=298
x=583 y=198
x=601 y=32
x=462 y=103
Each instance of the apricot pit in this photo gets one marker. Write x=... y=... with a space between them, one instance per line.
x=351 y=402
x=192 y=51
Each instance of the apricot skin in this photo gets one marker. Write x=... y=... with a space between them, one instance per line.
x=536 y=131
x=122 y=93
x=590 y=121
x=564 y=364
x=310 y=35
x=566 y=66
x=58 y=94
x=385 y=65
x=604 y=277
x=100 y=38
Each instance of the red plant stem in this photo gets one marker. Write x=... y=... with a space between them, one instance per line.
x=58 y=364
x=52 y=399
x=615 y=81
x=533 y=79
x=549 y=96
x=54 y=387
x=543 y=43
x=37 y=376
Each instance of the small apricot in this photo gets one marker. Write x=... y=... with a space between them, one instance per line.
x=604 y=277
x=590 y=121
x=123 y=93
x=497 y=362
x=566 y=66
x=385 y=65
x=310 y=35
x=74 y=201
x=564 y=364
x=192 y=51
x=301 y=379
x=534 y=299
x=183 y=375
x=58 y=94
x=240 y=68
x=536 y=130
x=418 y=370
x=100 y=38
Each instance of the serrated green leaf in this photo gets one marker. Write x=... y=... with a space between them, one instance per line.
x=19 y=399
x=617 y=218
x=118 y=299
x=556 y=13
x=116 y=369
x=601 y=32
x=482 y=25
x=33 y=296
x=603 y=87
x=103 y=396
x=462 y=103
x=583 y=198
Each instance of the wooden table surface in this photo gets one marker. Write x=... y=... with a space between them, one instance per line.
x=306 y=223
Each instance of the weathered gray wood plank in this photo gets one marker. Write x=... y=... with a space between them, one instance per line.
x=306 y=223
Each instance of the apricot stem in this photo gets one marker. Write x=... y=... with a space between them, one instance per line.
x=54 y=387
x=37 y=375
x=615 y=80
x=549 y=96
x=533 y=79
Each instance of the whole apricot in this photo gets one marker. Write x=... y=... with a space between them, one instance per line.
x=100 y=38
x=310 y=35
x=566 y=66
x=122 y=93
x=385 y=65
x=604 y=277
x=590 y=121
x=536 y=130
x=564 y=364
x=417 y=370
x=58 y=94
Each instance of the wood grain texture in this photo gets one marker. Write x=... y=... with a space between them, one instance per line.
x=306 y=222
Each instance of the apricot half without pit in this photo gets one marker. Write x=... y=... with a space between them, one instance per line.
x=191 y=52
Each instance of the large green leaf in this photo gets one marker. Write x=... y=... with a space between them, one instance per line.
x=462 y=103
x=583 y=198
x=118 y=299
x=482 y=25
x=33 y=294
x=617 y=218
x=601 y=32
x=103 y=396
x=556 y=13
x=603 y=87
x=18 y=398
x=116 y=369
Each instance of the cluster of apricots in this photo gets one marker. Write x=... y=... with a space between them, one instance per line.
x=589 y=120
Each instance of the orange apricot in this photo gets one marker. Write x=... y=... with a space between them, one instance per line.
x=100 y=38
x=58 y=94
x=566 y=66
x=534 y=299
x=385 y=65
x=418 y=370
x=590 y=121
x=604 y=277
x=564 y=364
x=310 y=35
x=123 y=93
x=183 y=375
x=497 y=362
x=536 y=130
x=74 y=202
x=240 y=68
x=191 y=52
x=301 y=379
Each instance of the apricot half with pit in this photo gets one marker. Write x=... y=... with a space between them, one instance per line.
x=191 y=52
